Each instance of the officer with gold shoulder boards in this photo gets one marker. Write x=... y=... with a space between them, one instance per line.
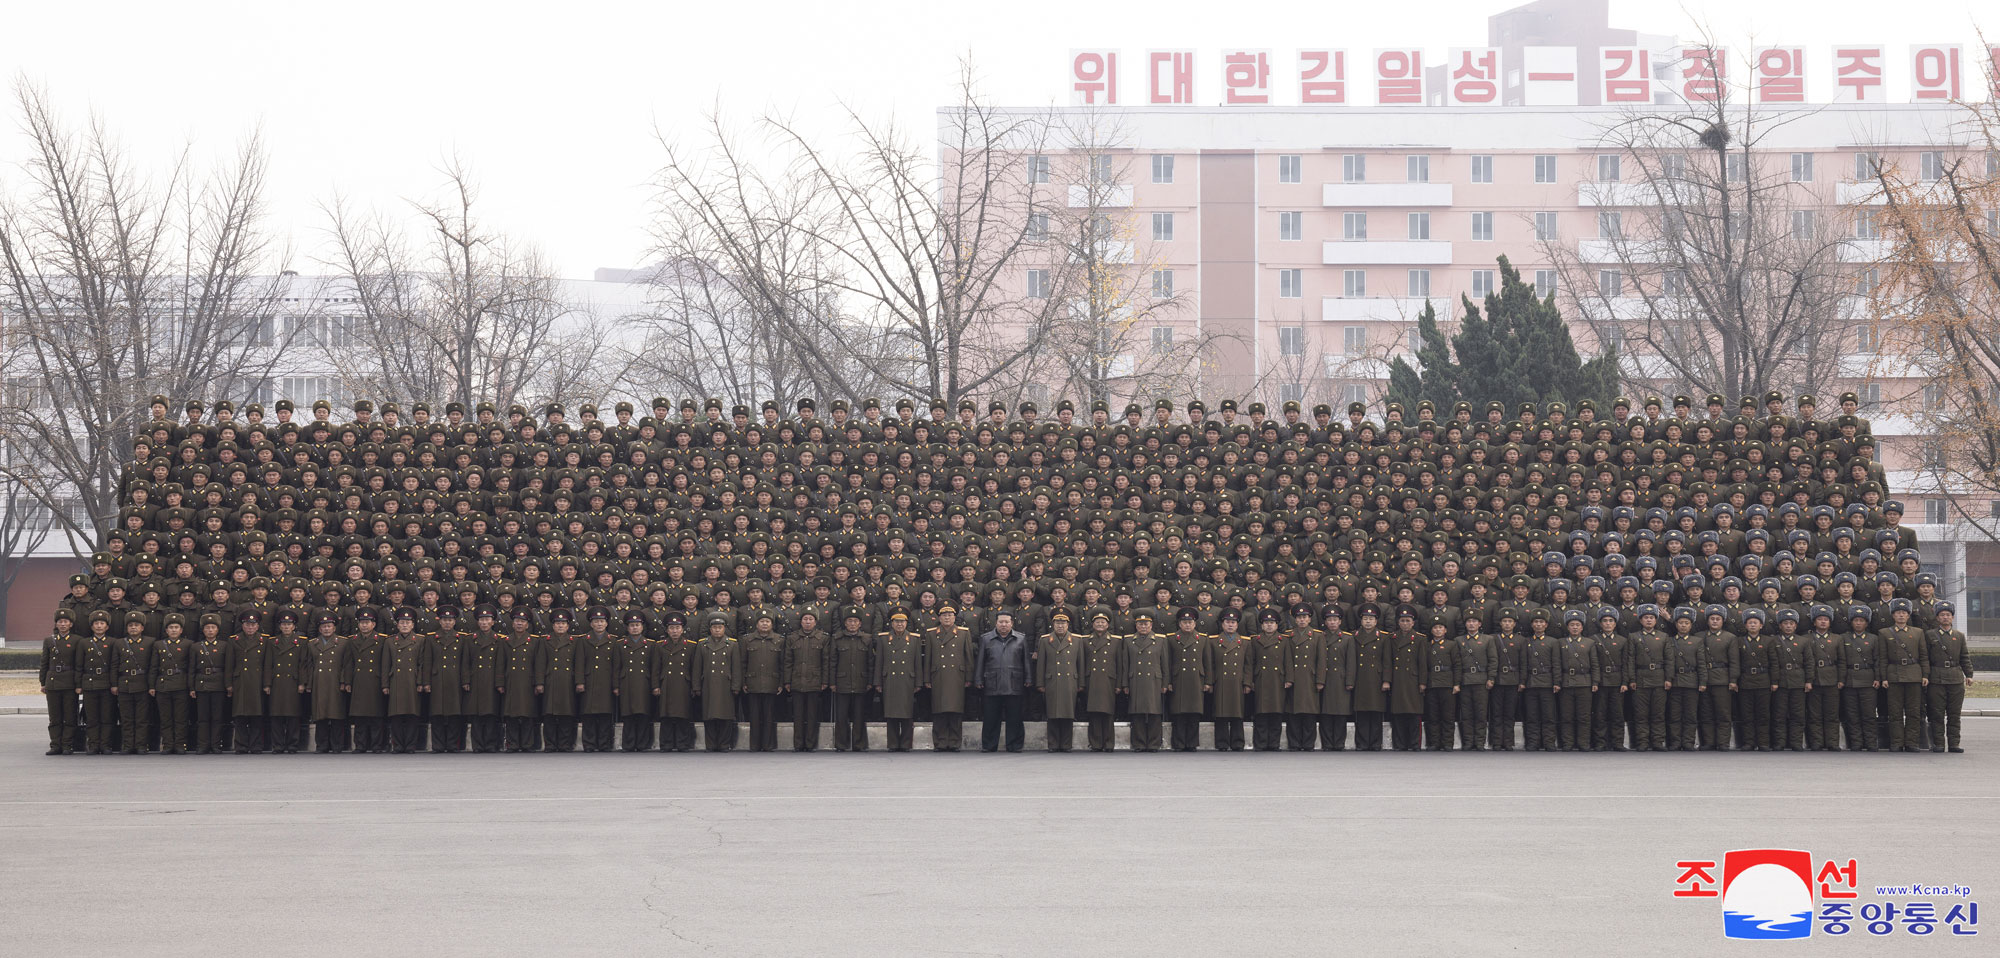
x=718 y=671
x=635 y=684
x=132 y=671
x=1303 y=647
x=899 y=671
x=1059 y=674
x=96 y=662
x=947 y=658
x=1187 y=675
x=673 y=685
x=1101 y=681
x=597 y=655
x=1143 y=671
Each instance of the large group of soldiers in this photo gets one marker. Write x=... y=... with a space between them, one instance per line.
x=1653 y=578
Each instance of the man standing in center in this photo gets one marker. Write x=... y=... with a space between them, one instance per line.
x=1143 y=664
x=1303 y=647
x=947 y=674
x=1058 y=673
x=899 y=670
x=805 y=678
x=1188 y=678
x=718 y=673
x=852 y=670
x=1101 y=681
x=1269 y=669
x=597 y=689
x=763 y=654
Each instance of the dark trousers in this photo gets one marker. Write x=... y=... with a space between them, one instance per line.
x=1947 y=702
x=100 y=708
x=283 y=730
x=1229 y=735
x=638 y=733
x=1405 y=731
x=1573 y=717
x=1823 y=718
x=1607 y=719
x=600 y=732
x=760 y=711
x=1683 y=718
x=211 y=714
x=1788 y=719
x=250 y=735
x=1098 y=731
x=1718 y=717
x=1753 y=717
x=901 y=733
x=299 y=723
x=1061 y=734
x=850 y=721
x=676 y=734
x=62 y=721
x=370 y=735
x=1267 y=731
x=520 y=733
x=1146 y=732
x=1187 y=731
x=135 y=721
x=1649 y=719
x=1368 y=731
x=1473 y=701
x=447 y=733
x=1538 y=719
x=331 y=735
x=1440 y=714
x=1858 y=718
x=1301 y=731
x=558 y=733
x=403 y=733
x=487 y=733
x=718 y=735
x=1333 y=733
x=1503 y=709
x=173 y=708
x=805 y=720
x=947 y=731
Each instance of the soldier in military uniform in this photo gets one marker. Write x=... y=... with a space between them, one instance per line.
x=96 y=663
x=1792 y=673
x=406 y=677
x=250 y=682
x=451 y=683
x=289 y=674
x=329 y=671
x=1950 y=664
x=169 y=683
x=947 y=674
x=1101 y=681
x=718 y=673
x=1687 y=665
x=132 y=672
x=806 y=669
x=1143 y=668
x=486 y=674
x=1611 y=703
x=1303 y=647
x=597 y=655
x=58 y=676
x=852 y=672
x=367 y=707
x=523 y=659
x=1755 y=682
x=1478 y=662
x=1861 y=654
x=213 y=660
x=1187 y=677
x=1829 y=670
x=1504 y=707
x=635 y=684
x=763 y=656
x=1649 y=671
x=899 y=670
x=673 y=685
x=1718 y=696
x=1576 y=678
x=1371 y=678
x=1059 y=674
x=1409 y=676
x=558 y=679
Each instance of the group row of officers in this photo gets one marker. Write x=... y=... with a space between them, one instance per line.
x=1680 y=678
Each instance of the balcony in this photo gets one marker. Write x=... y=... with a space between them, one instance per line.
x=1860 y=193
x=1108 y=251
x=1616 y=194
x=1364 y=309
x=1104 y=196
x=1865 y=250
x=1352 y=195
x=1385 y=253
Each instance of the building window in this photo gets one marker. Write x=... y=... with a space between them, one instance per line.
x=1100 y=170
x=1610 y=224
x=1163 y=168
x=1870 y=395
x=1291 y=226
x=1864 y=225
x=1864 y=281
x=1420 y=169
x=1733 y=167
x=1545 y=226
x=1482 y=169
x=1931 y=163
x=1291 y=340
x=1545 y=168
x=1289 y=169
x=1353 y=393
x=1353 y=339
x=1482 y=227
x=1292 y=392
x=1355 y=282
x=1610 y=283
x=1038 y=169
x=1936 y=512
x=1038 y=228
x=1674 y=167
x=1610 y=338
x=1291 y=283
x=1802 y=167
x=1163 y=339
x=1545 y=282
x=1608 y=168
x=1420 y=226
x=1163 y=227
x=1038 y=284
x=1674 y=282
x=1866 y=165
x=1354 y=168
x=1482 y=283
x=1802 y=224
x=1354 y=226
x=1163 y=284
x=1420 y=283
x=1866 y=339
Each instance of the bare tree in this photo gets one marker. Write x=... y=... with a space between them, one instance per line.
x=24 y=526
x=1715 y=269
x=119 y=287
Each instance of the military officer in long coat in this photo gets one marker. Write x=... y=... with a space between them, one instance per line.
x=851 y=672
x=1371 y=678
x=559 y=681
x=524 y=660
x=486 y=673
x=1187 y=675
x=635 y=684
x=1407 y=679
x=367 y=707
x=673 y=685
x=1101 y=682
x=289 y=674
x=1303 y=647
x=597 y=683
x=1270 y=680
x=1143 y=666
x=450 y=683
x=1059 y=674
x=763 y=654
x=899 y=671
x=406 y=677
x=718 y=673
x=329 y=669
x=947 y=674
x=1229 y=666
x=806 y=651
x=250 y=682
x=1334 y=680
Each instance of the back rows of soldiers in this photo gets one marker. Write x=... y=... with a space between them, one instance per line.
x=1582 y=680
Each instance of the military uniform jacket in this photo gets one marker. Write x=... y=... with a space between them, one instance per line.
x=899 y=671
x=1228 y=672
x=763 y=662
x=1541 y=662
x=556 y=673
x=1477 y=660
x=948 y=666
x=1302 y=652
x=288 y=672
x=213 y=660
x=1687 y=661
x=1753 y=661
x=1101 y=678
x=718 y=671
x=1371 y=669
x=486 y=671
x=1335 y=676
x=1409 y=671
x=132 y=668
x=1441 y=664
x=1143 y=662
x=806 y=664
x=851 y=667
x=1507 y=658
x=1059 y=673
x=1862 y=652
x=1578 y=662
x=524 y=660
x=1646 y=663
x=171 y=664
x=251 y=674
x=1719 y=649
x=59 y=656
x=1950 y=658
x=96 y=663
x=673 y=675
x=1829 y=659
x=596 y=670
x=366 y=699
x=449 y=675
x=328 y=666
x=1791 y=661
x=1613 y=660
x=1187 y=671
x=635 y=675
x=406 y=669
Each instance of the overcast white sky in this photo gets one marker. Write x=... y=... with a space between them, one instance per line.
x=554 y=103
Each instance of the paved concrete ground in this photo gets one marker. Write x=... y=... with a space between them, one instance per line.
x=926 y=854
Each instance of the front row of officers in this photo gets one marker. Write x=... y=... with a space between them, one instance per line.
x=1685 y=679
